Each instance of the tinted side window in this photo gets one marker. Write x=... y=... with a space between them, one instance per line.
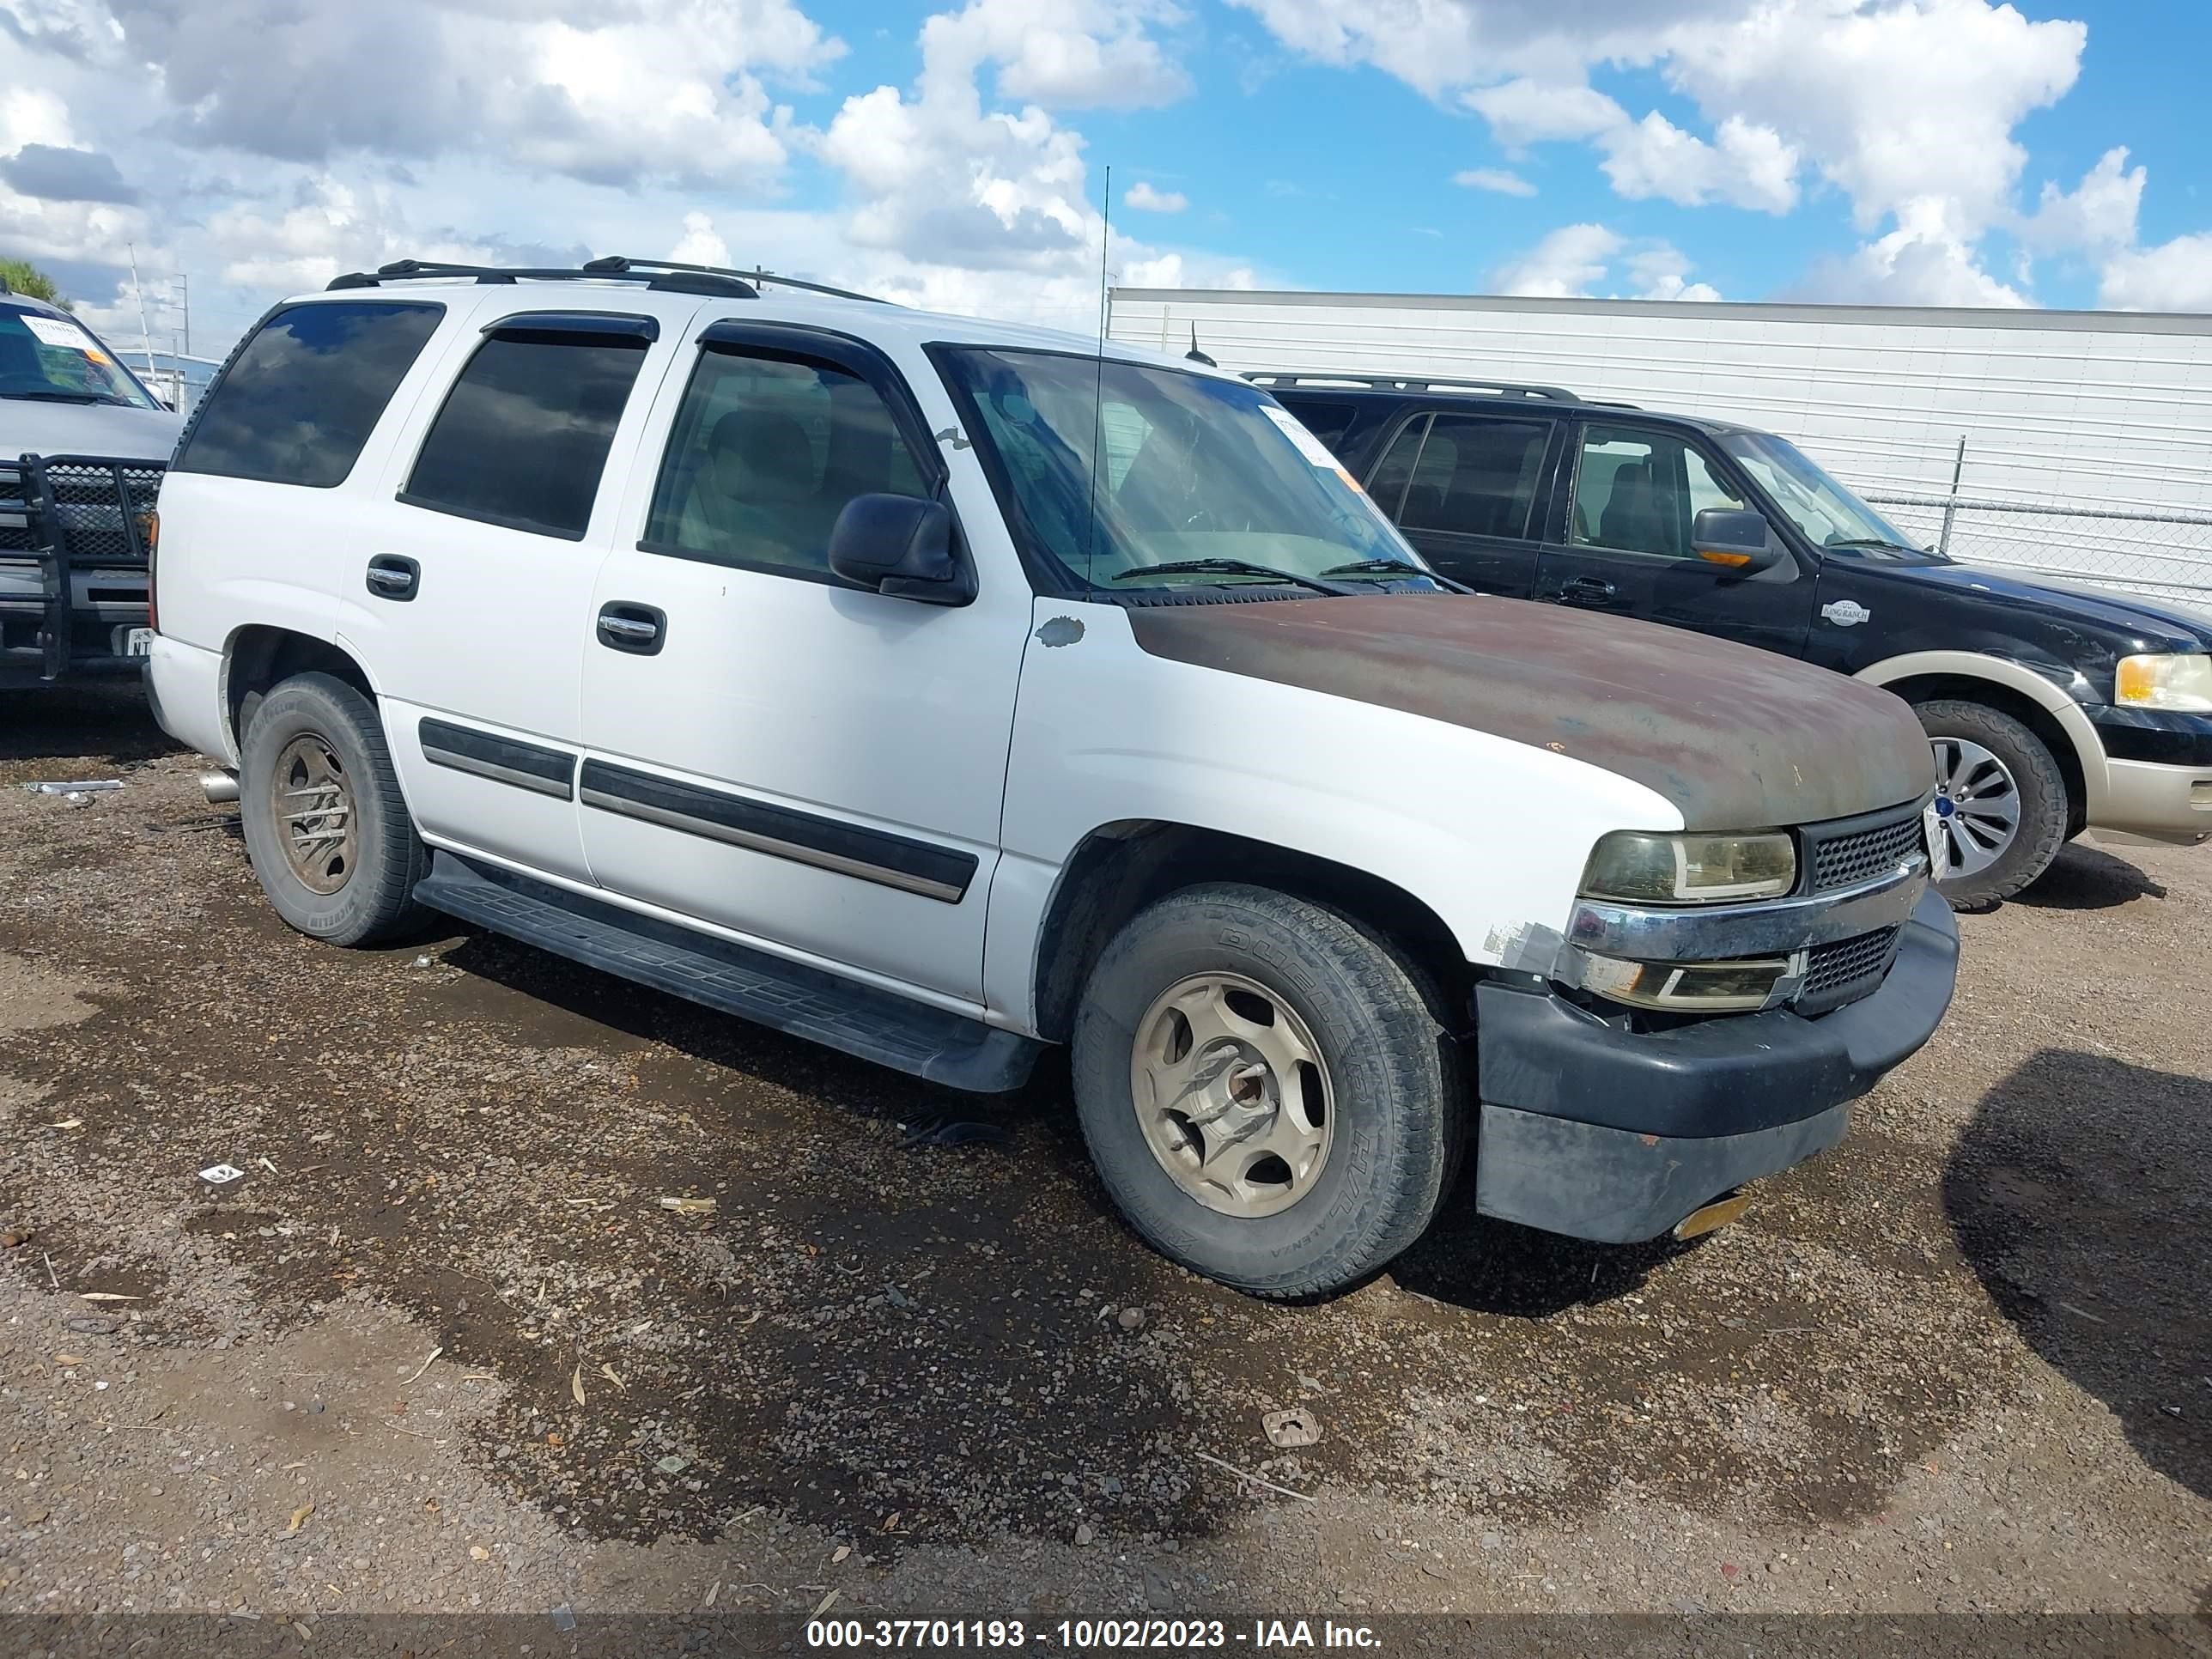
x=299 y=400
x=1477 y=476
x=1635 y=492
x=766 y=454
x=1387 y=486
x=525 y=432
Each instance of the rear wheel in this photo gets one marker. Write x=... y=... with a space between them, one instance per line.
x=326 y=826
x=1267 y=1089
x=2000 y=800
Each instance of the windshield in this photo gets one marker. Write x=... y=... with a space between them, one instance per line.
x=1827 y=512
x=1190 y=469
x=54 y=360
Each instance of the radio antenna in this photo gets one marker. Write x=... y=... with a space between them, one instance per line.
x=1098 y=377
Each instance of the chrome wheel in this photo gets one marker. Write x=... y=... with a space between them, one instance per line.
x=311 y=801
x=1232 y=1094
x=1977 y=805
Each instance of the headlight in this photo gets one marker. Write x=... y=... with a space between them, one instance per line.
x=1698 y=987
x=2181 y=683
x=1690 y=869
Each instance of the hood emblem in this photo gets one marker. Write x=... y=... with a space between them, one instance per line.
x=1845 y=613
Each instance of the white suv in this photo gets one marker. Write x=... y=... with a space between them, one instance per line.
x=939 y=689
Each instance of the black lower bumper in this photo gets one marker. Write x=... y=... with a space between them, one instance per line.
x=1604 y=1133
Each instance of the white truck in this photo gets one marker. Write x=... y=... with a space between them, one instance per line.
x=940 y=690
x=82 y=447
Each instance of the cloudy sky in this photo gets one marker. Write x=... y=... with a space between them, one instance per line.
x=1911 y=151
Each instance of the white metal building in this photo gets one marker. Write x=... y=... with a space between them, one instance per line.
x=2065 y=416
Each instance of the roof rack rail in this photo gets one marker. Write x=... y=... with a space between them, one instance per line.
x=616 y=263
x=680 y=280
x=1417 y=383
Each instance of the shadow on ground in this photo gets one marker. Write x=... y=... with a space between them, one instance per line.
x=2081 y=1193
x=2088 y=878
x=110 y=722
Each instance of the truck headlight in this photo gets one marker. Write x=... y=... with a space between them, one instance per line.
x=1696 y=987
x=2181 y=683
x=1690 y=869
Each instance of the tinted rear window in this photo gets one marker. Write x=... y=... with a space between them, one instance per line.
x=523 y=436
x=299 y=400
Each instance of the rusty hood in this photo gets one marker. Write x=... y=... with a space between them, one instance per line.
x=1736 y=739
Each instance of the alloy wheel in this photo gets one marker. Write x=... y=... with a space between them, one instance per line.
x=311 y=800
x=1234 y=1098
x=1977 y=805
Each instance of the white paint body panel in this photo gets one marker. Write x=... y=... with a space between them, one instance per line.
x=1493 y=835
x=2106 y=410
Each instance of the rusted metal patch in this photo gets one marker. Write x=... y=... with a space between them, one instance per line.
x=1736 y=737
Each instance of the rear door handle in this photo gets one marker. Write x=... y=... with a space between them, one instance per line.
x=641 y=629
x=392 y=576
x=1586 y=590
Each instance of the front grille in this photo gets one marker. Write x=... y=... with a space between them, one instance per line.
x=1845 y=970
x=14 y=511
x=91 y=510
x=1861 y=853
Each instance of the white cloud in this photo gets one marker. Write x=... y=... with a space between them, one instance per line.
x=1494 y=178
x=1910 y=266
x=1576 y=260
x=646 y=89
x=2175 y=276
x=1527 y=112
x=2099 y=214
x=1066 y=54
x=1749 y=167
x=1142 y=195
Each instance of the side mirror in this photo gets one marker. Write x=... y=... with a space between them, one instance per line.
x=1734 y=538
x=901 y=547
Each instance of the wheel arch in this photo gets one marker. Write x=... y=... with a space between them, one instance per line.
x=2055 y=718
x=1119 y=868
x=260 y=655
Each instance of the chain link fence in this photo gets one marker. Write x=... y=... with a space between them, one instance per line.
x=2149 y=549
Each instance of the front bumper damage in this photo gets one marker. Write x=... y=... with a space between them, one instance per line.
x=1600 y=1133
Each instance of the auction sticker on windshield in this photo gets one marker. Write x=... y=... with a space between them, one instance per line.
x=1311 y=447
x=53 y=331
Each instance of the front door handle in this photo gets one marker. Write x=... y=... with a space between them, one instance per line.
x=641 y=629
x=1586 y=590
x=391 y=576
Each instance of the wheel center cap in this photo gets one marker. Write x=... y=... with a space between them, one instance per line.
x=1944 y=807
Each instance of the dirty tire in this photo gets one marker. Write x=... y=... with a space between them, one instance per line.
x=2043 y=802
x=1398 y=1120
x=376 y=899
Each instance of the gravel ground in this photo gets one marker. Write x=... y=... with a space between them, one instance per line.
x=444 y=1348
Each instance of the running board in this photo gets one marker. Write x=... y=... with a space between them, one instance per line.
x=857 y=1020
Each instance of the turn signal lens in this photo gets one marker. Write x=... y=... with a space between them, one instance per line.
x=150 y=528
x=2180 y=683
x=1690 y=869
x=1710 y=987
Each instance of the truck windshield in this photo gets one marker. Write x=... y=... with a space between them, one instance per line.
x=1127 y=476
x=45 y=359
x=1827 y=512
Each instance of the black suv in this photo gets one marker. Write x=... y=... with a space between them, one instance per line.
x=2051 y=709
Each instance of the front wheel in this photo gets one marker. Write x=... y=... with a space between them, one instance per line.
x=326 y=825
x=2000 y=800
x=1266 y=1088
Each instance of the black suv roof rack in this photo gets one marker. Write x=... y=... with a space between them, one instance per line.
x=404 y=270
x=667 y=276
x=1417 y=383
x=618 y=262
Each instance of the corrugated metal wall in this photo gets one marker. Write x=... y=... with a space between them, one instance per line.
x=2060 y=410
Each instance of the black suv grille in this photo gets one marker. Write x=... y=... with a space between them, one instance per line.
x=1845 y=970
x=14 y=511
x=90 y=501
x=1861 y=854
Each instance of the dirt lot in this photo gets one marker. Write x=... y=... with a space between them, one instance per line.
x=443 y=1348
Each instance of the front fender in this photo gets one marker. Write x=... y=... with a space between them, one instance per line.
x=2088 y=749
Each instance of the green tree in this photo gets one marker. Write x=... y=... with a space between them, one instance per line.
x=24 y=278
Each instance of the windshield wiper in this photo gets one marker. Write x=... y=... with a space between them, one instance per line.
x=66 y=397
x=1233 y=568
x=1875 y=541
x=1390 y=568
